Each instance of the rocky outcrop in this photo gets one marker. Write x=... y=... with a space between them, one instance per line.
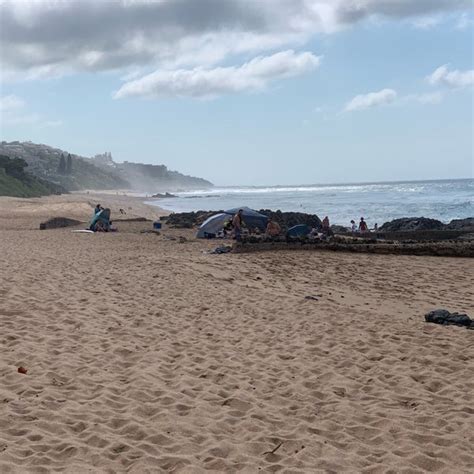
x=439 y=249
x=411 y=224
x=163 y=195
x=187 y=220
x=290 y=219
x=339 y=229
x=461 y=224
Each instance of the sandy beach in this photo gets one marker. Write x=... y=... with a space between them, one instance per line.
x=146 y=354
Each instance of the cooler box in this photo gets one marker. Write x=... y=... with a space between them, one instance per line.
x=156 y=225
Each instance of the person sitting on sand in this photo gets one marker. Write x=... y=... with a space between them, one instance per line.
x=237 y=224
x=227 y=229
x=273 y=228
x=98 y=208
x=363 y=225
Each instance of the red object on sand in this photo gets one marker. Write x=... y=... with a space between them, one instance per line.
x=22 y=370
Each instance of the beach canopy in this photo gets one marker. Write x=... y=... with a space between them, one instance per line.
x=250 y=217
x=214 y=224
x=300 y=230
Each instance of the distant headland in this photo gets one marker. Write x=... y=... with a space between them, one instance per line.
x=29 y=169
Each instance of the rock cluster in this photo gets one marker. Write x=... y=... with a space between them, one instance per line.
x=290 y=219
x=443 y=316
x=423 y=223
x=339 y=229
x=165 y=195
x=187 y=220
x=411 y=223
x=461 y=224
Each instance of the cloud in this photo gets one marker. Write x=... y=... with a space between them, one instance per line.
x=430 y=98
x=456 y=79
x=44 y=38
x=11 y=102
x=372 y=99
x=427 y=22
x=464 y=21
x=12 y=112
x=254 y=75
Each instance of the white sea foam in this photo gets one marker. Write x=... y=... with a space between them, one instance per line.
x=377 y=202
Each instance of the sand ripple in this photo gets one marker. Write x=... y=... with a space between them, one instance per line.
x=145 y=355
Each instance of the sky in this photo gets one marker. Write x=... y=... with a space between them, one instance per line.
x=246 y=92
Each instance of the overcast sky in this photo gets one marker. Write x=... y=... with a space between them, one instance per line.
x=247 y=91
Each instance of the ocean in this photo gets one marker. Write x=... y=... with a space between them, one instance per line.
x=376 y=202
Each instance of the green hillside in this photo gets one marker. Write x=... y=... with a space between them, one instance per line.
x=69 y=171
x=16 y=182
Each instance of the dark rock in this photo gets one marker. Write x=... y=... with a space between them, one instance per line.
x=339 y=229
x=443 y=316
x=187 y=220
x=461 y=224
x=290 y=219
x=411 y=224
x=165 y=195
x=58 y=222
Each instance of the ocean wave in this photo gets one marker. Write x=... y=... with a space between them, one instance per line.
x=295 y=189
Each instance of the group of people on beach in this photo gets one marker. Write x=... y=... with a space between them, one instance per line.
x=234 y=227
x=363 y=227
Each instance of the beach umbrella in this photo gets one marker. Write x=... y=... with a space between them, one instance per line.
x=213 y=225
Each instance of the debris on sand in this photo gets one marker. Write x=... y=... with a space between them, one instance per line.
x=443 y=316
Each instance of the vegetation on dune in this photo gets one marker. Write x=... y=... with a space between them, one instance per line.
x=70 y=172
x=16 y=182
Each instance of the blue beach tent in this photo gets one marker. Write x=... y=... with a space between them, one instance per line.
x=250 y=217
x=214 y=224
x=300 y=230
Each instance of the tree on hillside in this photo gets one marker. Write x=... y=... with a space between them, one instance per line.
x=62 y=165
x=69 y=164
x=13 y=166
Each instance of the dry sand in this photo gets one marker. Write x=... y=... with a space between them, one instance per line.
x=147 y=355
